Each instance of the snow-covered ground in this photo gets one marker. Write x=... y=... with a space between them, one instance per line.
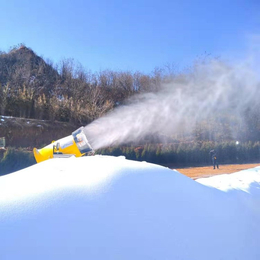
x=103 y=207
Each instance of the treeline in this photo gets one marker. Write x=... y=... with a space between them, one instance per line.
x=190 y=153
x=33 y=88
x=172 y=155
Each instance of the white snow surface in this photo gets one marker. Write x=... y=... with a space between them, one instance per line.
x=104 y=207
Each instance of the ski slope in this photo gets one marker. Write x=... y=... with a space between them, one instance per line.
x=104 y=207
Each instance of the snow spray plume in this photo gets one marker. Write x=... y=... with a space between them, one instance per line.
x=209 y=90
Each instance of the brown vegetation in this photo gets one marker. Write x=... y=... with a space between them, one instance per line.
x=33 y=88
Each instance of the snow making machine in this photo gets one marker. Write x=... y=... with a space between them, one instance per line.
x=75 y=144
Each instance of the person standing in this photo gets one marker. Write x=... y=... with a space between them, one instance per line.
x=213 y=154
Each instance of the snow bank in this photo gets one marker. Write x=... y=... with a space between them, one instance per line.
x=103 y=207
x=247 y=181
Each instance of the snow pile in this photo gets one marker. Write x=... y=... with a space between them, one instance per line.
x=103 y=207
x=247 y=181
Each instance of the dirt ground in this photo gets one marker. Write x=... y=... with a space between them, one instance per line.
x=208 y=171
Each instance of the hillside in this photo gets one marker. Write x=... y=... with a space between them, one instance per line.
x=24 y=132
x=178 y=104
x=32 y=88
x=22 y=66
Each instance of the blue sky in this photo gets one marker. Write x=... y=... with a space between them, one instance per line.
x=130 y=35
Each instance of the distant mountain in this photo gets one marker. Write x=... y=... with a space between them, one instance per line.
x=22 y=66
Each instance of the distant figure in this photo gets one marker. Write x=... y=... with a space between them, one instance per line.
x=214 y=158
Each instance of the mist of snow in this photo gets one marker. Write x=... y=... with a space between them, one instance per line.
x=208 y=90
